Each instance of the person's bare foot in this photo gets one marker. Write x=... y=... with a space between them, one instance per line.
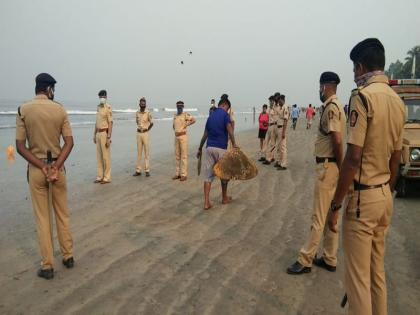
x=227 y=200
x=207 y=207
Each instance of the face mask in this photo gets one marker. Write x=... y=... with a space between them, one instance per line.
x=179 y=110
x=321 y=94
x=50 y=94
x=102 y=100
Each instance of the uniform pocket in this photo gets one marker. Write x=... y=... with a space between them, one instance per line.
x=320 y=171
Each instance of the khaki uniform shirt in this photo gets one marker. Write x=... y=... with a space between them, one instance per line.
x=378 y=129
x=180 y=122
x=271 y=115
x=103 y=116
x=42 y=122
x=143 y=120
x=283 y=115
x=275 y=113
x=333 y=119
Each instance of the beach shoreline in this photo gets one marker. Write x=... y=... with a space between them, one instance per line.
x=145 y=246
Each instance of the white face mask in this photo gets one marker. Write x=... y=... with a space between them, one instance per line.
x=102 y=100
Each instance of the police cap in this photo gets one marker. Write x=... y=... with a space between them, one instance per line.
x=358 y=51
x=329 y=77
x=180 y=103
x=102 y=93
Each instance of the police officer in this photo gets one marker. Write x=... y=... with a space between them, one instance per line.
x=40 y=124
x=284 y=115
x=181 y=122
x=144 y=124
x=102 y=139
x=328 y=157
x=271 y=148
x=369 y=169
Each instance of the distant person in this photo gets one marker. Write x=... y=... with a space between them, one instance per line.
x=181 y=122
x=295 y=116
x=40 y=124
x=217 y=132
x=328 y=157
x=212 y=106
x=102 y=139
x=310 y=113
x=144 y=124
x=370 y=170
x=263 y=121
x=282 y=133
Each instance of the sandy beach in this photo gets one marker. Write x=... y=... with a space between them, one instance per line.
x=145 y=246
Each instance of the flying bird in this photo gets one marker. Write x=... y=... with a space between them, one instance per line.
x=182 y=62
x=190 y=52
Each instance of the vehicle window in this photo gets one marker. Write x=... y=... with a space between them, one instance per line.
x=413 y=110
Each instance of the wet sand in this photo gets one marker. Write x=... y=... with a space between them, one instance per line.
x=145 y=246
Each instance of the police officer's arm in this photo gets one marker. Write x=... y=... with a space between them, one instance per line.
x=151 y=122
x=110 y=122
x=334 y=127
x=65 y=152
x=352 y=160
x=27 y=155
x=191 y=120
x=394 y=165
x=286 y=118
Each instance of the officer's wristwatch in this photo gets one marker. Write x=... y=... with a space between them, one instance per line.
x=334 y=206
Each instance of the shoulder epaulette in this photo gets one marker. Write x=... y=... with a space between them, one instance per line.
x=58 y=103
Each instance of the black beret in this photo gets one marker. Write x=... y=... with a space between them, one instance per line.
x=44 y=80
x=329 y=77
x=359 y=49
x=180 y=103
x=102 y=93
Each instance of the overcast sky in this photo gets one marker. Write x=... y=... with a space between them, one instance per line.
x=248 y=49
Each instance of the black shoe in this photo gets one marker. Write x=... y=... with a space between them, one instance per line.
x=320 y=262
x=298 y=269
x=137 y=174
x=261 y=159
x=276 y=164
x=267 y=162
x=147 y=174
x=46 y=273
x=281 y=168
x=69 y=263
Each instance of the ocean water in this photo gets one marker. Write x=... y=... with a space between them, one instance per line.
x=83 y=113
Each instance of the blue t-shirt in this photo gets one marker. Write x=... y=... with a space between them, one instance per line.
x=295 y=112
x=216 y=127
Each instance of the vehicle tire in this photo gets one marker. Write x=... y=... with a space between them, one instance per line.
x=401 y=187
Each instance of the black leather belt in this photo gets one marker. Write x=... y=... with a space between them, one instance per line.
x=142 y=131
x=322 y=160
x=272 y=124
x=279 y=126
x=358 y=186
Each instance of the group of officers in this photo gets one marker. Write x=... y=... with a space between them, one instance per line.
x=365 y=175
x=275 y=144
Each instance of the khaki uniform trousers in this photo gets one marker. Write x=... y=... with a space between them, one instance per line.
x=142 y=143
x=272 y=138
x=181 y=155
x=364 y=250
x=325 y=185
x=281 y=148
x=103 y=157
x=38 y=187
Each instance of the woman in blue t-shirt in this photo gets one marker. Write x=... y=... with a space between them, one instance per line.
x=217 y=133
